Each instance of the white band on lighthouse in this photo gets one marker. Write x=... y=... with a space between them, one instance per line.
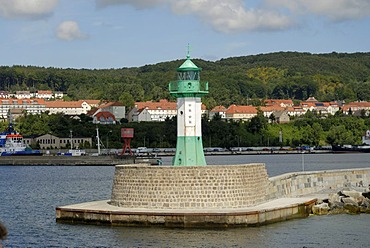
x=189 y=113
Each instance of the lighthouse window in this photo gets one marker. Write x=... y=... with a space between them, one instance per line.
x=188 y=75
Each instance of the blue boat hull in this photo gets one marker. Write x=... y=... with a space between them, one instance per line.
x=22 y=153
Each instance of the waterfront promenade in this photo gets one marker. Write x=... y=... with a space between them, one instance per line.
x=111 y=160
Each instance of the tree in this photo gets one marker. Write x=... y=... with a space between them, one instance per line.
x=316 y=133
x=257 y=123
x=127 y=99
x=339 y=135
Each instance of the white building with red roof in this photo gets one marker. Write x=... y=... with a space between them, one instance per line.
x=71 y=107
x=44 y=94
x=220 y=110
x=105 y=118
x=30 y=106
x=355 y=107
x=240 y=113
x=22 y=94
x=279 y=102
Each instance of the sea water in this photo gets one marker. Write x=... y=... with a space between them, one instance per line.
x=30 y=194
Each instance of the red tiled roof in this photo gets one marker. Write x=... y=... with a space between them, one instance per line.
x=359 y=104
x=234 y=109
x=44 y=92
x=106 y=115
x=108 y=104
x=278 y=102
x=69 y=104
x=91 y=102
x=22 y=101
x=63 y=104
x=218 y=109
x=272 y=108
x=162 y=104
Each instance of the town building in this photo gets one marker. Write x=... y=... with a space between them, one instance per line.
x=71 y=107
x=104 y=118
x=58 y=94
x=139 y=115
x=240 y=113
x=218 y=110
x=30 y=106
x=281 y=117
x=158 y=111
x=22 y=95
x=44 y=94
x=4 y=94
x=354 y=107
x=49 y=141
x=279 y=102
x=117 y=109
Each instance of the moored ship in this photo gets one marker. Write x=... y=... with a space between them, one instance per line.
x=11 y=144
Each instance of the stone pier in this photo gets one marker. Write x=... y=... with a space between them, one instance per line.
x=189 y=196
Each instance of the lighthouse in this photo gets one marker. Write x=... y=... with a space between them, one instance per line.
x=188 y=90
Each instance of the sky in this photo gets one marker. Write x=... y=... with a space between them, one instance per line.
x=103 y=34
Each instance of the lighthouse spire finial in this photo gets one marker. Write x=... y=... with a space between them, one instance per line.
x=189 y=48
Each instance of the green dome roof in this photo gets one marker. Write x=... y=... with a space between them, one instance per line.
x=188 y=65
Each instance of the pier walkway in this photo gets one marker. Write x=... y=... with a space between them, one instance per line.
x=101 y=212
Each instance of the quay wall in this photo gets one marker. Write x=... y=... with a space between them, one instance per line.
x=309 y=182
x=189 y=187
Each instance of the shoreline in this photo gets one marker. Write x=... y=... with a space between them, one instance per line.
x=151 y=158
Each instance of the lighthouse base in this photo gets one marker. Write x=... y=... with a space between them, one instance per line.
x=189 y=151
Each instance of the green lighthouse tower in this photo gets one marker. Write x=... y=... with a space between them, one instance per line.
x=188 y=90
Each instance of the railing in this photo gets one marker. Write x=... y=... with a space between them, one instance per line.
x=188 y=87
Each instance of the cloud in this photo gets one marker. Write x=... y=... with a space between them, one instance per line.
x=224 y=16
x=140 y=4
x=232 y=16
x=27 y=9
x=335 y=10
x=69 y=31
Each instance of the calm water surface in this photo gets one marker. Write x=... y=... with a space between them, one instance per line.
x=29 y=195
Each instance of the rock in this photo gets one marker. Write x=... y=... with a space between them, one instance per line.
x=334 y=197
x=321 y=209
x=352 y=209
x=352 y=193
x=363 y=209
x=336 y=204
x=337 y=207
x=349 y=200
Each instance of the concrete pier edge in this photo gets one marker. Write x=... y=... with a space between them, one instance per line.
x=102 y=213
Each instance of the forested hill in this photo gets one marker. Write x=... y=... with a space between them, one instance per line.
x=239 y=80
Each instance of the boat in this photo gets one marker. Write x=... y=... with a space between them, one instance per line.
x=364 y=147
x=11 y=144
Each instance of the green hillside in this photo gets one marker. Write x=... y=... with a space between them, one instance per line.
x=239 y=80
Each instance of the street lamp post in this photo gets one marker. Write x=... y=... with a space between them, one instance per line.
x=70 y=131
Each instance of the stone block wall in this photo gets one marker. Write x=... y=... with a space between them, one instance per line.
x=189 y=187
x=303 y=183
